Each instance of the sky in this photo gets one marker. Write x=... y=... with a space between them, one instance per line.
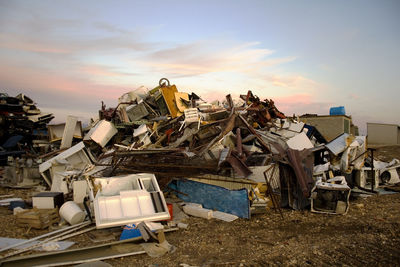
x=306 y=55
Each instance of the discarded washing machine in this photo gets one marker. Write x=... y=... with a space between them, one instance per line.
x=365 y=176
x=330 y=197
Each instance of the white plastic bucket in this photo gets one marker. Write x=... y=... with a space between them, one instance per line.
x=72 y=213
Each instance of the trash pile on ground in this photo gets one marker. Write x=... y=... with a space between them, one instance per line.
x=161 y=155
x=21 y=123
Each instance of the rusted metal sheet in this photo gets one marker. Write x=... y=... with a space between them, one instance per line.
x=302 y=164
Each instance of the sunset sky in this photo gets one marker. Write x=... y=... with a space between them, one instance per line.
x=305 y=55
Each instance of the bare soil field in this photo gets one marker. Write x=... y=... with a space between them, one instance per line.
x=368 y=235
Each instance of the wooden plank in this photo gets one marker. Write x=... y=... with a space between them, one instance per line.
x=37 y=218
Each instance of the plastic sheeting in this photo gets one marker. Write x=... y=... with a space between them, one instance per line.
x=214 y=197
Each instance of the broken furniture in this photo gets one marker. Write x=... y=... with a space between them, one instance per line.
x=191 y=115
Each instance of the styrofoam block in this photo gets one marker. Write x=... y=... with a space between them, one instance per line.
x=227 y=217
x=197 y=211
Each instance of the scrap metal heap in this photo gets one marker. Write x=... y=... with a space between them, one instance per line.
x=177 y=134
x=231 y=159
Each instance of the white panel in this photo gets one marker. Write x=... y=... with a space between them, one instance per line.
x=130 y=204
x=125 y=206
x=146 y=204
x=68 y=133
x=300 y=142
x=104 y=131
x=113 y=207
x=338 y=145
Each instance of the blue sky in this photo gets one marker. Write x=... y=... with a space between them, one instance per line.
x=305 y=55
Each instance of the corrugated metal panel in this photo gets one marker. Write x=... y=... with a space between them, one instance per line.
x=235 y=183
x=338 y=145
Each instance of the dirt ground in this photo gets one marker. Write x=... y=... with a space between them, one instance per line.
x=387 y=153
x=369 y=234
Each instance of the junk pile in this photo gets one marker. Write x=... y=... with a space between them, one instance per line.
x=19 y=117
x=22 y=133
x=161 y=155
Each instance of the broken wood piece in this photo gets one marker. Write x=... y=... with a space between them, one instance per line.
x=229 y=127
x=37 y=218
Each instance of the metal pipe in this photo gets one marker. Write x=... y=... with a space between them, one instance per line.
x=372 y=169
x=53 y=239
x=45 y=235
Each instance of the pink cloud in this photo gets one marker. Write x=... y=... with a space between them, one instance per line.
x=28 y=44
x=98 y=70
x=210 y=96
x=294 y=99
x=301 y=104
x=44 y=81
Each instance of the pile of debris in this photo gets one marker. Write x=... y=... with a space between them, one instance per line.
x=224 y=160
x=23 y=130
x=19 y=117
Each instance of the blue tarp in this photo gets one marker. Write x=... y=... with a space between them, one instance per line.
x=214 y=197
x=12 y=141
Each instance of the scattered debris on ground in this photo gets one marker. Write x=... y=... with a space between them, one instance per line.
x=166 y=178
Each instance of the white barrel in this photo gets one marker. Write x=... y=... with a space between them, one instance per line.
x=72 y=213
